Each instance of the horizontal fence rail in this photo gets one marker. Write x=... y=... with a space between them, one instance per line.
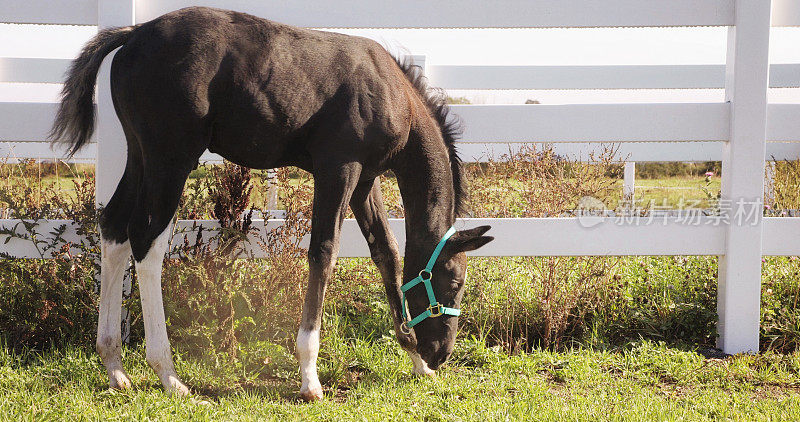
x=56 y=12
x=596 y=77
x=527 y=123
x=30 y=122
x=423 y=13
x=594 y=122
x=785 y=75
x=519 y=236
x=615 y=122
x=785 y=13
x=626 y=151
x=27 y=124
x=27 y=121
x=468 y=13
x=17 y=69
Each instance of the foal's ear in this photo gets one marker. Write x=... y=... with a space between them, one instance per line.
x=469 y=240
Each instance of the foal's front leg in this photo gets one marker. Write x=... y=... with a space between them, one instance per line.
x=370 y=213
x=332 y=191
x=368 y=208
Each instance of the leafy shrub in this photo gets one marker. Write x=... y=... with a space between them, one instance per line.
x=672 y=299
x=534 y=182
x=544 y=301
x=215 y=301
x=531 y=302
x=48 y=301
x=783 y=191
x=780 y=282
x=780 y=313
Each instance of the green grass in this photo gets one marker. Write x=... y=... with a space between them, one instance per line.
x=372 y=381
x=674 y=191
x=367 y=377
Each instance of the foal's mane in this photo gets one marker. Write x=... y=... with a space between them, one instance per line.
x=450 y=125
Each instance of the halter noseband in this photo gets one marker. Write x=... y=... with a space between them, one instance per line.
x=435 y=309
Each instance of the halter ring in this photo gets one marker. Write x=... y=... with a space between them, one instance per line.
x=436 y=310
x=404 y=328
x=424 y=271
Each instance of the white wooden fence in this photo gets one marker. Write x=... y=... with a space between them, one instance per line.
x=740 y=132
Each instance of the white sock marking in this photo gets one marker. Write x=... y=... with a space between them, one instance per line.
x=158 y=353
x=420 y=366
x=114 y=260
x=307 y=352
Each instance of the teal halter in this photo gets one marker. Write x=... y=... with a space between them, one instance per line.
x=435 y=309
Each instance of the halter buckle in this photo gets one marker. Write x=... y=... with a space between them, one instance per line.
x=436 y=310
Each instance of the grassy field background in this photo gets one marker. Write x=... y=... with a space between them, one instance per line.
x=542 y=338
x=671 y=191
x=370 y=380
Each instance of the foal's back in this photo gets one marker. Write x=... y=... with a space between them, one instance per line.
x=260 y=93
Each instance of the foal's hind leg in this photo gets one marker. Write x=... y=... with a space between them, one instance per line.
x=149 y=232
x=114 y=259
x=332 y=190
x=158 y=353
x=115 y=256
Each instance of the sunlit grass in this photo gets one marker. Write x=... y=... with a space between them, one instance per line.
x=368 y=380
x=677 y=192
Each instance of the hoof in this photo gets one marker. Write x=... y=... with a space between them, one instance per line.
x=175 y=386
x=118 y=380
x=200 y=402
x=420 y=366
x=312 y=394
x=425 y=372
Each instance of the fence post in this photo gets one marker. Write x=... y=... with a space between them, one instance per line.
x=272 y=191
x=111 y=147
x=629 y=181
x=746 y=81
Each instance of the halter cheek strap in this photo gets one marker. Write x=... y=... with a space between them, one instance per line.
x=435 y=309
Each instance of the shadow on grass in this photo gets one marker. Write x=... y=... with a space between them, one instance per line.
x=278 y=391
x=281 y=390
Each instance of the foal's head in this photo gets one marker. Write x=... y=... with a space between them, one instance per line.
x=436 y=335
x=434 y=294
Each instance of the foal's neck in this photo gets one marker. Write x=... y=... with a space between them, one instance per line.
x=425 y=179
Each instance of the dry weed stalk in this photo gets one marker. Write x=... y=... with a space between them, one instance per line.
x=539 y=301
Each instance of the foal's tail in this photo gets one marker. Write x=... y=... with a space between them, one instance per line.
x=74 y=122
